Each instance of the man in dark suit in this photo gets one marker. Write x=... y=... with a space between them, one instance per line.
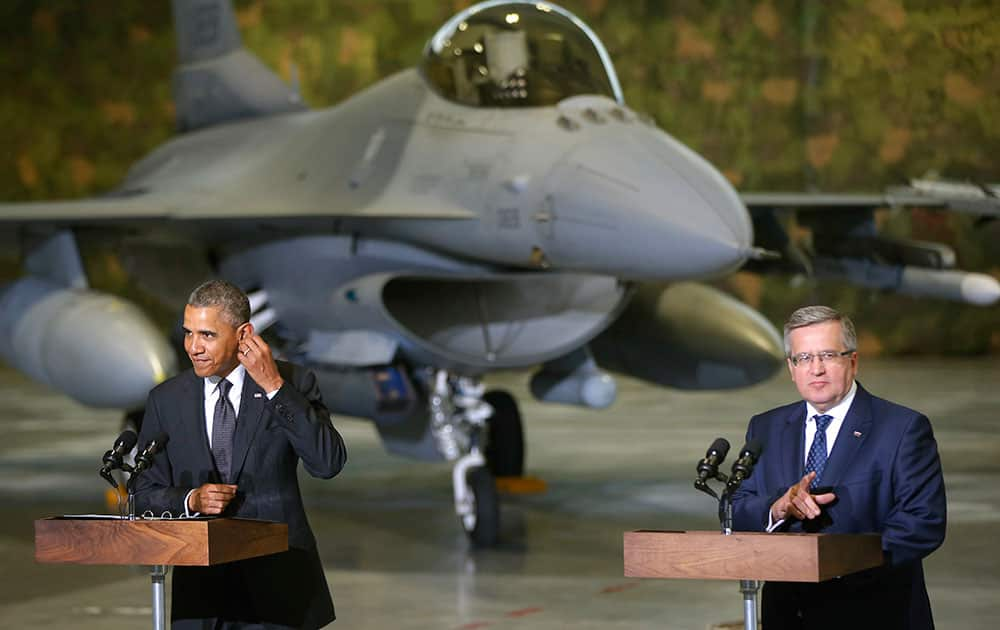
x=238 y=424
x=844 y=461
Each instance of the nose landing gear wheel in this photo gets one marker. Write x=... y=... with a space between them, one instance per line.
x=505 y=441
x=482 y=523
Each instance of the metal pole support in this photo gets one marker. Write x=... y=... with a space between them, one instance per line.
x=749 y=589
x=158 y=574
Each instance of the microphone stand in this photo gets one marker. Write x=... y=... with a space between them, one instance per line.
x=157 y=572
x=748 y=588
x=130 y=490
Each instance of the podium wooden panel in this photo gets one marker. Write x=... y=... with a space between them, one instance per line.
x=189 y=542
x=785 y=557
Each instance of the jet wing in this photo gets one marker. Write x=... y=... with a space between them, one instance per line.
x=92 y=210
x=175 y=206
x=982 y=200
x=847 y=245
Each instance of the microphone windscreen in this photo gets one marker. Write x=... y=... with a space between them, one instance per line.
x=158 y=442
x=126 y=441
x=753 y=448
x=720 y=446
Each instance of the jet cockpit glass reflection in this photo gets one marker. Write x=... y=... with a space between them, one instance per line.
x=517 y=54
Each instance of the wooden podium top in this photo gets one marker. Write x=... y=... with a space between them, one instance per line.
x=190 y=542
x=783 y=557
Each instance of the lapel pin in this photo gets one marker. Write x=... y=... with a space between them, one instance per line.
x=857 y=434
x=260 y=395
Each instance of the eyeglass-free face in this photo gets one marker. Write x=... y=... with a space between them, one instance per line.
x=825 y=378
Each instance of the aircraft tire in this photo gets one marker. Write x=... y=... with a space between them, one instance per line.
x=505 y=441
x=486 y=531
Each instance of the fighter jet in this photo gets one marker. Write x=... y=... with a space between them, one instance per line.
x=497 y=207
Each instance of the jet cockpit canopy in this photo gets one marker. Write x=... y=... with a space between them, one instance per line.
x=518 y=54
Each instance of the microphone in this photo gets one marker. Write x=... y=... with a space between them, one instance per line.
x=145 y=459
x=743 y=467
x=113 y=459
x=708 y=468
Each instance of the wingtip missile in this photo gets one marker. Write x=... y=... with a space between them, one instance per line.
x=961 y=286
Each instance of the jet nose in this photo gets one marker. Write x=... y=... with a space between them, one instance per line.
x=634 y=202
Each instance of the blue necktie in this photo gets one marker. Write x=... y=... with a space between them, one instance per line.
x=223 y=427
x=817 y=452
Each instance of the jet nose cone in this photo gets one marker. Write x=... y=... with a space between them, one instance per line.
x=641 y=205
x=706 y=194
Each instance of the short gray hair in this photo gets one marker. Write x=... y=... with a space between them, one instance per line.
x=225 y=295
x=810 y=315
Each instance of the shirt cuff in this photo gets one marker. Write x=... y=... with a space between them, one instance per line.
x=187 y=496
x=772 y=524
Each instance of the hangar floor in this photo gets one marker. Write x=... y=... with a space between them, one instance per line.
x=394 y=554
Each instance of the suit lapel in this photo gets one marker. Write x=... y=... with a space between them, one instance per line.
x=853 y=432
x=247 y=423
x=793 y=435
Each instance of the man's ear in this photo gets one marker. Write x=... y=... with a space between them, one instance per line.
x=245 y=330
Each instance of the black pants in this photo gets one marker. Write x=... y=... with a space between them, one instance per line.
x=886 y=598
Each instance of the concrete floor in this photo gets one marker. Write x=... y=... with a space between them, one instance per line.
x=395 y=556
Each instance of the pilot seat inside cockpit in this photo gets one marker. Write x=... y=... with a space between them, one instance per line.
x=517 y=54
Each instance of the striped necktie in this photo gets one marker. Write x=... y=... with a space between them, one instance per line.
x=223 y=427
x=817 y=452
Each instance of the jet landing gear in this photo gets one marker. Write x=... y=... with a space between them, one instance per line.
x=458 y=418
x=505 y=447
x=476 y=502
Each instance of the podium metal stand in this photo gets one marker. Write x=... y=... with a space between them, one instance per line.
x=748 y=557
x=157 y=543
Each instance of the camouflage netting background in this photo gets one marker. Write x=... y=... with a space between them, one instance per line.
x=843 y=96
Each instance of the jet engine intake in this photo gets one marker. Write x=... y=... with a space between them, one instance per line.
x=513 y=320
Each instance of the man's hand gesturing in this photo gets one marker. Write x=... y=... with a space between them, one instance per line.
x=798 y=503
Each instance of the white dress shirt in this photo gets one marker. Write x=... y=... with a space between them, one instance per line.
x=839 y=412
x=211 y=383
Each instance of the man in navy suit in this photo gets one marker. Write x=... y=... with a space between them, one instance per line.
x=844 y=461
x=239 y=423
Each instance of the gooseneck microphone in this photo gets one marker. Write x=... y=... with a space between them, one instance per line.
x=145 y=459
x=113 y=459
x=743 y=466
x=708 y=468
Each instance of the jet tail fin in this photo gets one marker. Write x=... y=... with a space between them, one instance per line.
x=217 y=80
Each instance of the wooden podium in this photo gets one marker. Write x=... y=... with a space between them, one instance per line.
x=159 y=543
x=749 y=557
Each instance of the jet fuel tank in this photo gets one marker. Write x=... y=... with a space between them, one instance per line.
x=98 y=349
x=690 y=336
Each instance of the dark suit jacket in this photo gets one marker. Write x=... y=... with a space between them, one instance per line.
x=287 y=589
x=885 y=471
